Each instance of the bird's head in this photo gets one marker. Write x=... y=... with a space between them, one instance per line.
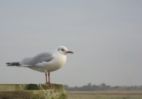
x=64 y=50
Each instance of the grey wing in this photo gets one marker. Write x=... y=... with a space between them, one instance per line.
x=43 y=57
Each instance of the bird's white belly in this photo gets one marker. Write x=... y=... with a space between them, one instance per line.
x=54 y=65
x=46 y=68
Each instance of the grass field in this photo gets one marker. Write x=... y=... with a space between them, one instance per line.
x=105 y=95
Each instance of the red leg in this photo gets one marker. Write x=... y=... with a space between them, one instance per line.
x=49 y=78
x=46 y=77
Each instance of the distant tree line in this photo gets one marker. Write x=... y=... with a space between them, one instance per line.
x=102 y=87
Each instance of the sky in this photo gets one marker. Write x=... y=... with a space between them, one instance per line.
x=106 y=36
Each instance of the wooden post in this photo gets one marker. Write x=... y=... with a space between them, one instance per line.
x=32 y=91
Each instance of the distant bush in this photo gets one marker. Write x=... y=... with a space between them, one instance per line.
x=101 y=87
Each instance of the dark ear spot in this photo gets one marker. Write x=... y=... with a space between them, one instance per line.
x=62 y=49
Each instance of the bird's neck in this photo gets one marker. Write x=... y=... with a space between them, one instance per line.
x=60 y=57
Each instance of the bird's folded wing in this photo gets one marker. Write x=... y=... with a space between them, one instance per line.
x=40 y=58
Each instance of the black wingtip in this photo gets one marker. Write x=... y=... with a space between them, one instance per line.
x=8 y=64
x=13 y=64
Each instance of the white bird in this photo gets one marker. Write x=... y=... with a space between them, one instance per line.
x=45 y=62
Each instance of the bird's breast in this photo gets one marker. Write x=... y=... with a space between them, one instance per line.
x=56 y=63
x=60 y=60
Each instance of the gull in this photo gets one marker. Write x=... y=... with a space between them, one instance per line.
x=45 y=62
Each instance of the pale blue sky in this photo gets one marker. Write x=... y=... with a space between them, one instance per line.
x=106 y=36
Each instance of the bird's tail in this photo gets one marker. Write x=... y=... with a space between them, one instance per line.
x=13 y=64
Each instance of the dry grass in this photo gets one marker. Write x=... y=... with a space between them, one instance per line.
x=104 y=95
